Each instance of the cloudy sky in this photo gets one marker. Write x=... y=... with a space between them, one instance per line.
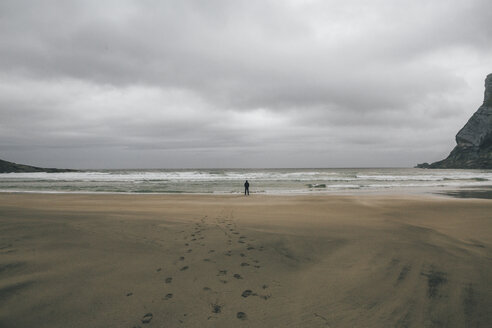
x=219 y=83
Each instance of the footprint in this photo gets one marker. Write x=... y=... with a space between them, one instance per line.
x=147 y=318
x=184 y=268
x=129 y=294
x=187 y=244
x=181 y=258
x=241 y=316
x=264 y=286
x=240 y=241
x=404 y=272
x=216 y=308
x=250 y=248
x=206 y=288
x=222 y=272
x=257 y=266
x=247 y=293
x=158 y=270
x=237 y=276
x=434 y=280
x=244 y=264
x=189 y=251
x=242 y=255
x=168 y=296
x=169 y=280
x=211 y=251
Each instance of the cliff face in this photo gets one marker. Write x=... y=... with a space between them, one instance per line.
x=474 y=140
x=9 y=167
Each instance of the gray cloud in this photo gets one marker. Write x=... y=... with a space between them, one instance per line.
x=283 y=83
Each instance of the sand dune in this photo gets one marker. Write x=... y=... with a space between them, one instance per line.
x=233 y=261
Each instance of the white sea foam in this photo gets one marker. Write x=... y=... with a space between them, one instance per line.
x=230 y=180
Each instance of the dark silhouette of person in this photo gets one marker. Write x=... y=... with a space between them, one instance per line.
x=246 y=188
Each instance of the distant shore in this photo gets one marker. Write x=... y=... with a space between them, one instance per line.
x=130 y=260
x=10 y=167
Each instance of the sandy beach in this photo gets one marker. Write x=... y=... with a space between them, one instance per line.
x=69 y=260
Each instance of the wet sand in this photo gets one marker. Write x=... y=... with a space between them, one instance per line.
x=235 y=261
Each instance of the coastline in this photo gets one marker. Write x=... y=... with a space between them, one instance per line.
x=109 y=260
x=229 y=181
x=478 y=192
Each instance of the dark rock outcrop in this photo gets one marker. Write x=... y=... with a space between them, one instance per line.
x=9 y=167
x=474 y=140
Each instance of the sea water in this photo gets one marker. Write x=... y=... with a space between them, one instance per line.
x=230 y=181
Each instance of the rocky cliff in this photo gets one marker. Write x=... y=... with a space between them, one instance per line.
x=474 y=140
x=9 y=167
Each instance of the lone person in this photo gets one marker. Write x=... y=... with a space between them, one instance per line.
x=246 y=188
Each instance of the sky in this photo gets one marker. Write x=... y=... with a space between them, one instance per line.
x=226 y=84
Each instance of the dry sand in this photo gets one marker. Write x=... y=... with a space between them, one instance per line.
x=234 y=261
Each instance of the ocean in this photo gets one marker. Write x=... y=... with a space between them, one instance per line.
x=230 y=181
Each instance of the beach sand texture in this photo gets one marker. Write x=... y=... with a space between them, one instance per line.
x=233 y=261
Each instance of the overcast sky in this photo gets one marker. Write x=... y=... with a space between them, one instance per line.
x=170 y=84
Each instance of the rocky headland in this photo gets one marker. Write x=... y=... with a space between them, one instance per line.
x=474 y=140
x=9 y=167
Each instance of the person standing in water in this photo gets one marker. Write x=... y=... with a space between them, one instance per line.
x=246 y=188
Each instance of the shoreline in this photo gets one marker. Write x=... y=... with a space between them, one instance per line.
x=272 y=181
x=479 y=192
